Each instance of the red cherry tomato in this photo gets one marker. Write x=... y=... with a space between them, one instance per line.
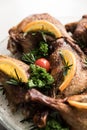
x=42 y=62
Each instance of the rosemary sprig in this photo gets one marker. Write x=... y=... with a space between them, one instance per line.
x=43 y=34
x=29 y=57
x=67 y=66
x=85 y=61
x=14 y=81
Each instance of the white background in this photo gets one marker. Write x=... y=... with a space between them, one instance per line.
x=12 y=11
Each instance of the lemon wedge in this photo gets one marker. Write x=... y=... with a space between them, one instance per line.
x=44 y=26
x=9 y=65
x=78 y=101
x=71 y=60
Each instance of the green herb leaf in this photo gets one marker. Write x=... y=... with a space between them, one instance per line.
x=33 y=33
x=52 y=124
x=29 y=57
x=85 y=61
x=66 y=67
x=43 y=35
x=39 y=77
x=14 y=81
x=43 y=49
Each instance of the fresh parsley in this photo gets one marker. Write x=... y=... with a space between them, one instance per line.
x=53 y=123
x=39 y=77
x=43 y=48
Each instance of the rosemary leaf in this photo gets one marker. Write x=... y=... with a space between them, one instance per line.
x=43 y=35
x=85 y=61
x=19 y=79
x=14 y=81
x=67 y=66
x=66 y=69
x=29 y=57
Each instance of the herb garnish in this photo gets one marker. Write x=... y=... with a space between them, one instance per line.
x=41 y=51
x=66 y=65
x=53 y=123
x=43 y=34
x=85 y=61
x=39 y=77
x=15 y=82
x=29 y=57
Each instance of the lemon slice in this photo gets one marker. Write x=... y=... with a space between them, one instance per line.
x=71 y=60
x=42 y=25
x=78 y=101
x=9 y=65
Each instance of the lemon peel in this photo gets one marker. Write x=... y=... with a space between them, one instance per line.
x=44 y=26
x=70 y=58
x=78 y=101
x=9 y=65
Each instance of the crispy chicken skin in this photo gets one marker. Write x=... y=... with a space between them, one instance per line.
x=79 y=32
